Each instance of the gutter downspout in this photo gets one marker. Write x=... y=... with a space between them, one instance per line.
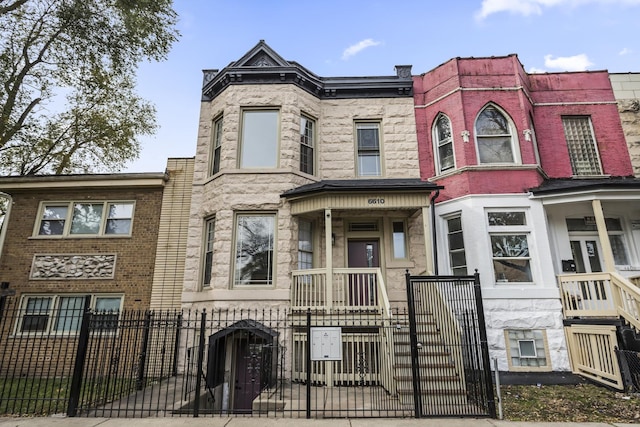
x=434 y=234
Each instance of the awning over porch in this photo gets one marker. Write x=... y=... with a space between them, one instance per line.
x=393 y=193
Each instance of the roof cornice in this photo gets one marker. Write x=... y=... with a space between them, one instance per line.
x=262 y=65
x=34 y=182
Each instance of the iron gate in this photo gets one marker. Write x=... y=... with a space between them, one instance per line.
x=451 y=372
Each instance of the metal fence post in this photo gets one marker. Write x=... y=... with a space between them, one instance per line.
x=143 y=352
x=308 y=363
x=176 y=346
x=413 y=338
x=484 y=344
x=81 y=355
x=196 y=403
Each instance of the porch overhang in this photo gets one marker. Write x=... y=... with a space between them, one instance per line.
x=560 y=191
x=357 y=194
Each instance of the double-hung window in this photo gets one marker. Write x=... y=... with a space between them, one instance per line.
x=443 y=143
x=581 y=143
x=307 y=144
x=455 y=238
x=494 y=137
x=259 y=145
x=62 y=314
x=207 y=266
x=305 y=244
x=509 y=235
x=255 y=236
x=217 y=146
x=85 y=219
x=368 y=147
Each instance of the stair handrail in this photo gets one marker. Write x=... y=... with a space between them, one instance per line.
x=626 y=297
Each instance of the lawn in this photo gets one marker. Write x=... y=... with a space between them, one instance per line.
x=576 y=403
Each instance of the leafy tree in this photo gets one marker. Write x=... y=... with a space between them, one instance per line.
x=67 y=76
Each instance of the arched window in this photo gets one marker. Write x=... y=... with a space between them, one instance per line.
x=443 y=144
x=494 y=137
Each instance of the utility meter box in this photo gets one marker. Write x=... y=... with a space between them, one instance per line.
x=326 y=343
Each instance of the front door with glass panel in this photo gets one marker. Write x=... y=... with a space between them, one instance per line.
x=362 y=286
x=586 y=254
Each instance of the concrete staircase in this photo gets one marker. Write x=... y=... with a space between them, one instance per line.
x=441 y=372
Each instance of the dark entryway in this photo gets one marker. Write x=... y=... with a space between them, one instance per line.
x=362 y=286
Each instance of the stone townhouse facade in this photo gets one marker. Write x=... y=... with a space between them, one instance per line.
x=292 y=172
x=626 y=88
x=533 y=166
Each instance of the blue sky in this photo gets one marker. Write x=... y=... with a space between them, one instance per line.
x=369 y=37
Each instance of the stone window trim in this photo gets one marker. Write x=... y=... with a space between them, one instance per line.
x=497 y=143
x=216 y=144
x=98 y=266
x=60 y=314
x=527 y=363
x=368 y=148
x=443 y=148
x=56 y=219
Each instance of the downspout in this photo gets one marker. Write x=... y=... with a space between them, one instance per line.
x=434 y=234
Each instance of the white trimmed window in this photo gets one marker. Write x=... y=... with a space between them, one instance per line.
x=255 y=237
x=305 y=244
x=62 y=314
x=368 y=148
x=509 y=236
x=259 y=146
x=527 y=350
x=443 y=144
x=217 y=145
x=207 y=265
x=581 y=143
x=494 y=137
x=399 y=230
x=457 y=254
x=307 y=144
x=107 y=219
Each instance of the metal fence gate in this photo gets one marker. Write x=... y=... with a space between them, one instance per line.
x=451 y=372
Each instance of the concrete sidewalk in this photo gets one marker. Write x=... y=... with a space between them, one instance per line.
x=280 y=422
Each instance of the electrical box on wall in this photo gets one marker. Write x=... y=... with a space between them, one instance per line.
x=568 y=265
x=326 y=343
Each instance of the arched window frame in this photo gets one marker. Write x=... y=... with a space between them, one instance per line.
x=440 y=145
x=512 y=135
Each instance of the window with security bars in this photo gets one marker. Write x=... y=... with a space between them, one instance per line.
x=581 y=143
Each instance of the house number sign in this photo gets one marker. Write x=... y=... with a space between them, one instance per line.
x=375 y=201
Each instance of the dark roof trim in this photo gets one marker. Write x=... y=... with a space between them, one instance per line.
x=262 y=65
x=559 y=186
x=362 y=186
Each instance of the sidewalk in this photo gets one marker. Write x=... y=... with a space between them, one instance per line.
x=280 y=422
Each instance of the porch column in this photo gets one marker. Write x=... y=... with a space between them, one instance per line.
x=329 y=254
x=428 y=245
x=607 y=252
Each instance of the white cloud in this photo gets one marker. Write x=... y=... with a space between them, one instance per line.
x=534 y=70
x=625 y=51
x=531 y=7
x=358 y=47
x=568 y=63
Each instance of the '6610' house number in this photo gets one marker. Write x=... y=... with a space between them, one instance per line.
x=375 y=201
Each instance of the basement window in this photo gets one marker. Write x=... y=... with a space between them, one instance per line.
x=527 y=350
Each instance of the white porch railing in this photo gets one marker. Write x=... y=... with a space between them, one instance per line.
x=600 y=295
x=360 y=289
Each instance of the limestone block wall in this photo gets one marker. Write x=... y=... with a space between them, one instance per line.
x=626 y=88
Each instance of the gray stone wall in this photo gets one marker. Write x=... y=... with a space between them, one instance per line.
x=626 y=88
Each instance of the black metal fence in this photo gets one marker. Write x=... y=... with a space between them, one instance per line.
x=262 y=363
x=451 y=371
